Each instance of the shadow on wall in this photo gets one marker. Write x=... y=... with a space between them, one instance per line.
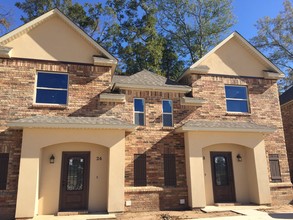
x=164 y=142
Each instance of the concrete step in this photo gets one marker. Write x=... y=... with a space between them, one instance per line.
x=228 y=204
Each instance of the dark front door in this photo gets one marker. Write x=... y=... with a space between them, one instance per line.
x=223 y=178
x=74 y=181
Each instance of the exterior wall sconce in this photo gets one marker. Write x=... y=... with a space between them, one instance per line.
x=239 y=158
x=52 y=159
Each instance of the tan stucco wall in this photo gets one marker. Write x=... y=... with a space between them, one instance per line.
x=53 y=40
x=31 y=161
x=233 y=59
x=252 y=171
x=50 y=175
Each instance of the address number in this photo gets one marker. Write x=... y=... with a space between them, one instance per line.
x=99 y=158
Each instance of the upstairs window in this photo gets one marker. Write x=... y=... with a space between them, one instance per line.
x=4 y=159
x=167 y=113
x=52 y=88
x=139 y=111
x=236 y=98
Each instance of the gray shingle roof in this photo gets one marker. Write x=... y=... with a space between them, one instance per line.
x=233 y=126
x=103 y=122
x=287 y=96
x=147 y=78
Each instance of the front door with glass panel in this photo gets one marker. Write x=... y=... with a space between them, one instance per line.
x=223 y=178
x=74 y=181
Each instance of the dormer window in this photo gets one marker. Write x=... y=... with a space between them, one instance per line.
x=51 y=88
x=237 y=99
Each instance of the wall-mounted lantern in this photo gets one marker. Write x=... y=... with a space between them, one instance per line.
x=52 y=159
x=239 y=158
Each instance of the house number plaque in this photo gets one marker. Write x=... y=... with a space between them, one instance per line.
x=99 y=158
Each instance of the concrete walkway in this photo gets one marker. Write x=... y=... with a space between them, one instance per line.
x=75 y=217
x=247 y=212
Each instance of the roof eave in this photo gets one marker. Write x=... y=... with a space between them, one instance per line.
x=150 y=87
x=245 y=130
x=21 y=125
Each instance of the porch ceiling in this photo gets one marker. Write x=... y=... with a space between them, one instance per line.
x=227 y=126
x=102 y=122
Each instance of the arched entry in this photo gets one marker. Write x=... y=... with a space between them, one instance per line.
x=226 y=178
x=250 y=176
x=30 y=197
x=78 y=179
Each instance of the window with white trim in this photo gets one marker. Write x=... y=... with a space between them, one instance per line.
x=236 y=98
x=51 y=88
x=167 y=106
x=139 y=118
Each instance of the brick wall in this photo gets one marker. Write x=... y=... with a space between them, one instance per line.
x=287 y=115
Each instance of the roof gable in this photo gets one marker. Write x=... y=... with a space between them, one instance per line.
x=236 y=56
x=148 y=80
x=53 y=36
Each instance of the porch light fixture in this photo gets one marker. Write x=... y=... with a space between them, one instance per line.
x=239 y=158
x=52 y=159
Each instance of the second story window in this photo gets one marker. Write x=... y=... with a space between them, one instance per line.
x=139 y=111
x=51 y=88
x=167 y=113
x=236 y=99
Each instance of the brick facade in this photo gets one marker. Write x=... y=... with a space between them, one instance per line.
x=86 y=82
x=287 y=115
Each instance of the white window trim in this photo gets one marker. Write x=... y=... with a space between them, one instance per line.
x=139 y=111
x=56 y=89
x=237 y=99
x=167 y=113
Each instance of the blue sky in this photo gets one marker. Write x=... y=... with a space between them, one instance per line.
x=247 y=12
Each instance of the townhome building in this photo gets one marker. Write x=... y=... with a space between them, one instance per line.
x=75 y=137
x=286 y=102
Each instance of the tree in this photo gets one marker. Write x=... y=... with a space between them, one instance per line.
x=137 y=44
x=171 y=66
x=275 y=39
x=35 y=8
x=195 y=26
x=4 y=19
x=76 y=12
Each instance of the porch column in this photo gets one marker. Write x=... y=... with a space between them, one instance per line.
x=194 y=172
x=116 y=177
x=28 y=181
x=259 y=178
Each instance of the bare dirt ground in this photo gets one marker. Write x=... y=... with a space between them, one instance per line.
x=280 y=209
x=178 y=215
x=172 y=215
